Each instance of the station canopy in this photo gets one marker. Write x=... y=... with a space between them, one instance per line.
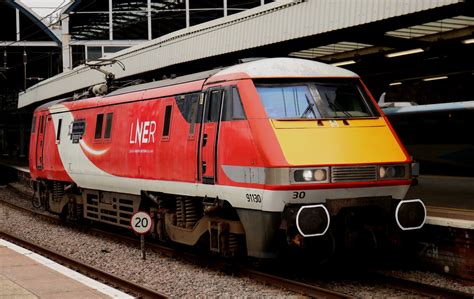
x=389 y=43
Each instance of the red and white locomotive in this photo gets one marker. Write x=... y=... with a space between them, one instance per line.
x=230 y=158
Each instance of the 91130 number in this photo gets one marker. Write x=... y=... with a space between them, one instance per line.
x=256 y=198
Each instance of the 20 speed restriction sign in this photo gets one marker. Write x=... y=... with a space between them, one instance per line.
x=141 y=223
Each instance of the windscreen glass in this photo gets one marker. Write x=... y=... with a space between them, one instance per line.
x=316 y=100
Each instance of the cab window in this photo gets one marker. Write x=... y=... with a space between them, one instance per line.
x=316 y=100
x=288 y=101
x=232 y=109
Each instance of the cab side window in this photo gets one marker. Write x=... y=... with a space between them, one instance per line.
x=193 y=100
x=213 y=106
x=188 y=105
x=233 y=109
x=237 y=109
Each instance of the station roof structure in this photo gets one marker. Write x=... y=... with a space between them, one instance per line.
x=30 y=48
x=30 y=52
x=30 y=28
x=339 y=32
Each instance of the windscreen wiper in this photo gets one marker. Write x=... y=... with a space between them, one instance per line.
x=337 y=107
x=309 y=108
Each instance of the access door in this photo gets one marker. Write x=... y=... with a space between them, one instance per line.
x=209 y=140
x=40 y=141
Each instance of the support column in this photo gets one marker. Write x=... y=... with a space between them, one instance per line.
x=111 y=24
x=17 y=25
x=149 y=20
x=187 y=14
x=66 y=40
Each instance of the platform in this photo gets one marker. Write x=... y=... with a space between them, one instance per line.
x=444 y=191
x=24 y=274
x=449 y=200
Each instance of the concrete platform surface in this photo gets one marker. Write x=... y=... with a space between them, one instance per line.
x=25 y=274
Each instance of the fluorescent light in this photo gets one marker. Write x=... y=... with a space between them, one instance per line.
x=435 y=78
x=468 y=41
x=343 y=63
x=407 y=52
x=395 y=83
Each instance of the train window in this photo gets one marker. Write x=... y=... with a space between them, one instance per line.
x=58 y=133
x=237 y=109
x=323 y=99
x=108 y=125
x=213 y=106
x=288 y=101
x=33 y=125
x=167 y=121
x=188 y=105
x=233 y=109
x=343 y=100
x=193 y=113
x=41 y=124
x=98 y=126
x=183 y=106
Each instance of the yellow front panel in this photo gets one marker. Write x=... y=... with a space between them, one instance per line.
x=336 y=142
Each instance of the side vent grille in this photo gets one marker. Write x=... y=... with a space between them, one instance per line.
x=110 y=207
x=354 y=173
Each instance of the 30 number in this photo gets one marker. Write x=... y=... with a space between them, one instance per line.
x=299 y=195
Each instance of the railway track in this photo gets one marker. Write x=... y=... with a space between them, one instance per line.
x=420 y=288
x=277 y=280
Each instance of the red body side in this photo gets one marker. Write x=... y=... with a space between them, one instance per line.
x=144 y=152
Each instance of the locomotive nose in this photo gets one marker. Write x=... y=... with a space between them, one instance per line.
x=312 y=220
x=410 y=214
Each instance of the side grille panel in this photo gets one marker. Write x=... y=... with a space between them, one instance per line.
x=354 y=173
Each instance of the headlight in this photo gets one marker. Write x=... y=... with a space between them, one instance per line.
x=307 y=175
x=320 y=175
x=392 y=172
x=317 y=175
